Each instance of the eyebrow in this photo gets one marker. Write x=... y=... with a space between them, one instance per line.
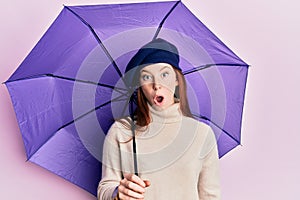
x=165 y=67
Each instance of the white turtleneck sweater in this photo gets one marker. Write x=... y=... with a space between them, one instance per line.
x=177 y=154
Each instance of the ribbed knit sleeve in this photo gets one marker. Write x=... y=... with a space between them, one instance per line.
x=209 y=178
x=111 y=173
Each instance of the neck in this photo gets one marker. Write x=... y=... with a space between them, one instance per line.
x=172 y=114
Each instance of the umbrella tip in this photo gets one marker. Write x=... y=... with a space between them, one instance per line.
x=65 y=6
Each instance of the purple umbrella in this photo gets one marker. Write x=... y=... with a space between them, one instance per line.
x=69 y=89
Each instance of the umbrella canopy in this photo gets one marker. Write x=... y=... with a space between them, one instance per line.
x=70 y=88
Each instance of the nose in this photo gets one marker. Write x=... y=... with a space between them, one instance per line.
x=156 y=85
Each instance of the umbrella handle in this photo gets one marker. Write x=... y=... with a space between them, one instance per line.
x=133 y=136
x=135 y=157
x=134 y=147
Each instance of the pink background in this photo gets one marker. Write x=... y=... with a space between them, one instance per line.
x=264 y=33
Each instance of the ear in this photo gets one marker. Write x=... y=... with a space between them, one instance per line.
x=176 y=82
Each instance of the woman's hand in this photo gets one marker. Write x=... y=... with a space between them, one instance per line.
x=132 y=187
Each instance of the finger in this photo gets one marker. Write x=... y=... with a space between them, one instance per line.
x=125 y=193
x=147 y=183
x=131 y=185
x=135 y=179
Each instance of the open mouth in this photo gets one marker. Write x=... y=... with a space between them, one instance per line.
x=158 y=99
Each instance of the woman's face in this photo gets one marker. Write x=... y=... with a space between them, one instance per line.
x=158 y=82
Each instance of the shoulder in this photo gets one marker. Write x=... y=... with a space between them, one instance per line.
x=205 y=135
x=123 y=123
x=120 y=129
x=201 y=127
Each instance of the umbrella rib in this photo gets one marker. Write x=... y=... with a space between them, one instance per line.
x=98 y=40
x=164 y=19
x=89 y=82
x=205 y=118
x=74 y=120
x=132 y=100
x=124 y=108
x=210 y=65
x=120 y=90
x=90 y=111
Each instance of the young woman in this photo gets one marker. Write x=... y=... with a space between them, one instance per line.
x=177 y=156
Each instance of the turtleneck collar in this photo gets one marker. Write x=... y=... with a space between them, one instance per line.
x=171 y=114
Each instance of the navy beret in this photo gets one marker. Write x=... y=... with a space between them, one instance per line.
x=156 y=51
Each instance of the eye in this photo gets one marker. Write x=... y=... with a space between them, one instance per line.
x=165 y=74
x=146 y=77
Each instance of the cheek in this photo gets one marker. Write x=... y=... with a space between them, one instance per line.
x=171 y=85
x=147 y=90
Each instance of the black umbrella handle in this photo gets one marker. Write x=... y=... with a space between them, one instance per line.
x=134 y=148
x=133 y=135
